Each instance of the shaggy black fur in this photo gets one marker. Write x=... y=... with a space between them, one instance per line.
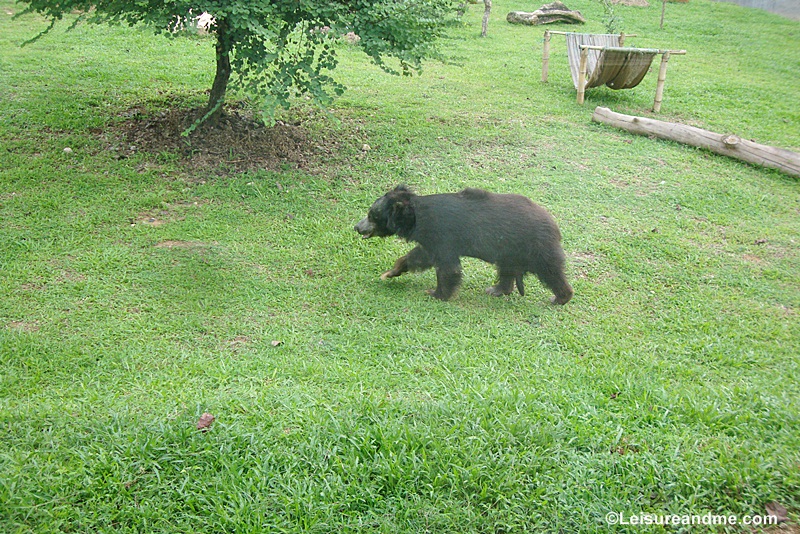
x=508 y=231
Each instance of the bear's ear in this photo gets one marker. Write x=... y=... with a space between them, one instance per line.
x=401 y=218
x=403 y=188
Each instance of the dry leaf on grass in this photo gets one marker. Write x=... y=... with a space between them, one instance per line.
x=204 y=423
x=777 y=510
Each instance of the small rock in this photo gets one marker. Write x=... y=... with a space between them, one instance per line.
x=366 y=148
x=67 y=150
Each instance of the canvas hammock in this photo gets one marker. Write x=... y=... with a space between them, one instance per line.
x=597 y=59
x=613 y=66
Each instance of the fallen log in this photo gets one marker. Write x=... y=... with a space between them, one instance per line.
x=725 y=144
x=547 y=14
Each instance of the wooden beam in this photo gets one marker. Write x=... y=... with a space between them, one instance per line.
x=629 y=49
x=554 y=32
x=725 y=144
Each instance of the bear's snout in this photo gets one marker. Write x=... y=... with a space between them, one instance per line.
x=365 y=228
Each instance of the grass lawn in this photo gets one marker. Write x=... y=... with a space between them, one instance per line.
x=138 y=292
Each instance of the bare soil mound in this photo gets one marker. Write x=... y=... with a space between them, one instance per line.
x=236 y=143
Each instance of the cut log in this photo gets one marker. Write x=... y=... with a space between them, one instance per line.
x=547 y=14
x=725 y=144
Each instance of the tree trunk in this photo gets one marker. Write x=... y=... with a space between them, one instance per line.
x=214 y=108
x=727 y=145
x=487 y=10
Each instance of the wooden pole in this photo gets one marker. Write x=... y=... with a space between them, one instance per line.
x=727 y=145
x=662 y=77
x=554 y=32
x=487 y=10
x=584 y=65
x=631 y=49
x=621 y=38
x=546 y=56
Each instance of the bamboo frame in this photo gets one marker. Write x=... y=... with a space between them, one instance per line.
x=546 y=56
x=584 y=62
x=582 y=73
x=662 y=71
x=662 y=77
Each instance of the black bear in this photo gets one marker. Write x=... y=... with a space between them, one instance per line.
x=508 y=231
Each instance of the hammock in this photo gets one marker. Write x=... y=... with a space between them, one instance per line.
x=614 y=66
x=597 y=59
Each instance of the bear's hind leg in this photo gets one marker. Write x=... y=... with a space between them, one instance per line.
x=554 y=279
x=521 y=284
x=563 y=296
x=504 y=285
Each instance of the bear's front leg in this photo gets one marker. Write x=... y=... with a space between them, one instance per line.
x=400 y=266
x=416 y=260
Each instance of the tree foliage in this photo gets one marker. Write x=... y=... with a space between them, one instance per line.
x=279 y=48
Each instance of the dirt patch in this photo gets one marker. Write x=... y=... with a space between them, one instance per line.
x=584 y=257
x=782 y=528
x=172 y=212
x=752 y=259
x=237 y=143
x=236 y=344
x=22 y=326
x=588 y=265
x=31 y=286
x=69 y=275
x=148 y=220
x=181 y=244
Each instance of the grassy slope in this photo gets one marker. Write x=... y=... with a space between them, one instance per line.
x=670 y=383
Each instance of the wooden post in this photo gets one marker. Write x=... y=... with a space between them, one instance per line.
x=546 y=56
x=584 y=65
x=621 y=39
x=662 y=77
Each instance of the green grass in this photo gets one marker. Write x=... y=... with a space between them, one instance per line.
x=670 y=384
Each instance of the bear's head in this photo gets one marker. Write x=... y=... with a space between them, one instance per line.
x=392 y=214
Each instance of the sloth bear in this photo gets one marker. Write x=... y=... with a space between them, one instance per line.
x=508 y=231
